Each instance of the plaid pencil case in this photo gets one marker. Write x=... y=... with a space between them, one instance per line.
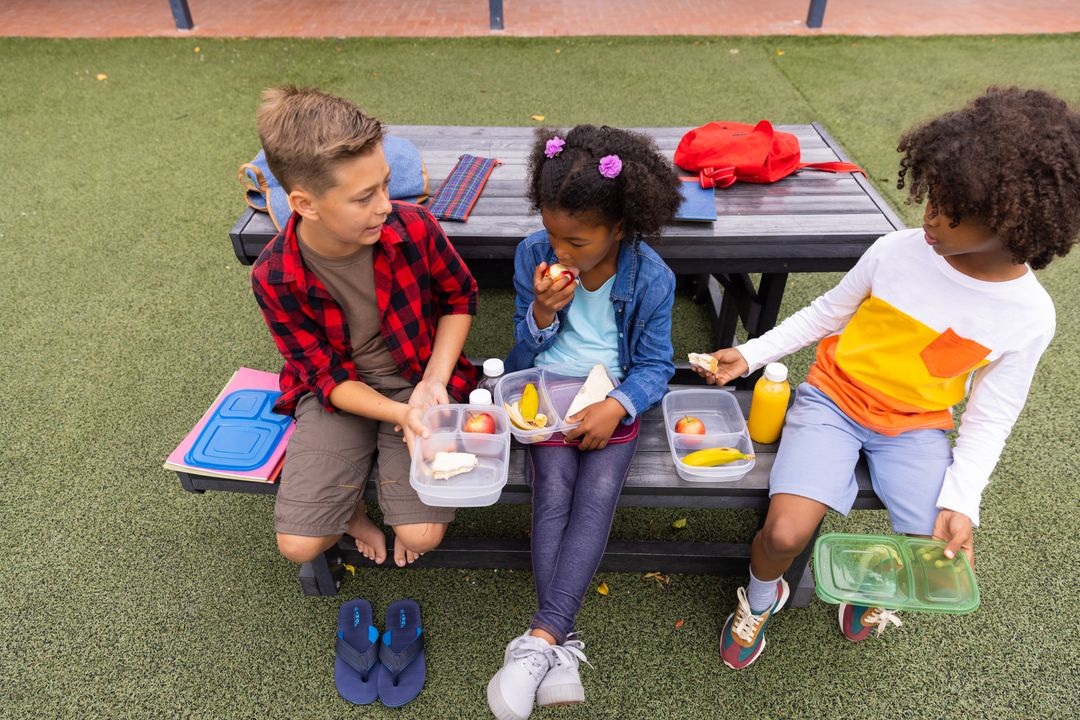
x=454 y=200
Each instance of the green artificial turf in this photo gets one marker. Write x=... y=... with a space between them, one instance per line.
x=123 y=312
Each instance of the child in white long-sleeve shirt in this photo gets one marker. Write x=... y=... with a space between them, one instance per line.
x=925 y=315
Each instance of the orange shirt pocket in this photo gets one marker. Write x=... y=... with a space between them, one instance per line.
x=950 y=355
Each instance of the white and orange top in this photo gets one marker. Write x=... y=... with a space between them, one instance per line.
x=903 y=334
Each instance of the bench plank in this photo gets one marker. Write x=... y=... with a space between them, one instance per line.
x=651 y=482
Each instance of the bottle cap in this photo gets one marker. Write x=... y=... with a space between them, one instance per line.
x=776 y=372
x=493 y=367
x=480 y=396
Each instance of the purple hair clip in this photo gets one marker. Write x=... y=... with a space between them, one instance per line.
x=610 y=166
x=554 y=146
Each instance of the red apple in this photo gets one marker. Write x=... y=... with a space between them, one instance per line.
x=690 y=425
x=481 y=423
x=559 y=270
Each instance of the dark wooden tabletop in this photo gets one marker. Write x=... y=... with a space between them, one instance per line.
x=808 y=222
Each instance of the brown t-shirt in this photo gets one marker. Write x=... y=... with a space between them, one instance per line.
x=351 y=282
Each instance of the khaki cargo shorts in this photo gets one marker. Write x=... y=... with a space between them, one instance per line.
x=327 y=465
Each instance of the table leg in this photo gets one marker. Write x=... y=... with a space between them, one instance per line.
x=769 y=295
x=322 y=576
x=732 y=297
x=727 y=315
x=762 y=315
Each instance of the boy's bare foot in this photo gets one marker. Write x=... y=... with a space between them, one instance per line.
x=402 y=555
x=424 y=536
x=370 y=540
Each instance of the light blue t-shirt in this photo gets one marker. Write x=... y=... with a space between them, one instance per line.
x=590 y=336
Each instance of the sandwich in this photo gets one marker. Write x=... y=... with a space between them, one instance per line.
x=448 y=464
x=706 y=362
x=596 y=388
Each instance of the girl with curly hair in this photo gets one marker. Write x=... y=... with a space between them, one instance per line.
x=926 y=315
x=599 y=191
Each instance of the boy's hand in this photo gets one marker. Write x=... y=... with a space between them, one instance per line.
x=428 y=393
x=411 y=423
x=730 y=365
x=955 y=529
x=598 y=421
x=549 y=296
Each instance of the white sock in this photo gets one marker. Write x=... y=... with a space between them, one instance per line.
x=761 y=594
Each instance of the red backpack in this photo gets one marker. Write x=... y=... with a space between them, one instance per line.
x=723 y=152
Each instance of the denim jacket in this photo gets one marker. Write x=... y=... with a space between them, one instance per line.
x=643 y=295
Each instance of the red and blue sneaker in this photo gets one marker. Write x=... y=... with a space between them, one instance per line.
x=858 y=621
x=743 y=636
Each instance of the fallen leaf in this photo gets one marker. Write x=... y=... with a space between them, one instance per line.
x=779 y=53
x=350 y=568
x=602 y=588
x=679 y=624
x=734 y=51
x=102 y=76
x=662 y=580
x=537 y=118
x=197 y=48
x=679 y=524
x=558 y=50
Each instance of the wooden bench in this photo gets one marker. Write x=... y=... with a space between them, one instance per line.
x=652 y=482
x=807 y=222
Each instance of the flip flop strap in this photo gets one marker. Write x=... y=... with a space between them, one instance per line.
x=359 y=661
x=395 y=662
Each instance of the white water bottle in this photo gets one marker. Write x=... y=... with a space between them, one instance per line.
x=480 y=396
x=493 y=371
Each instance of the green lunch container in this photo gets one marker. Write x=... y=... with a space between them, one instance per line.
x=895 y=572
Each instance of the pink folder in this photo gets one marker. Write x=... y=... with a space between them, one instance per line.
x=242 y=379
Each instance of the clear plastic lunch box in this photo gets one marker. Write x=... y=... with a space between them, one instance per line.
x=480 y=486
x=724 y=424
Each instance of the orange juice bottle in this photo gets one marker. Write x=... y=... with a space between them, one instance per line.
x=769 y=404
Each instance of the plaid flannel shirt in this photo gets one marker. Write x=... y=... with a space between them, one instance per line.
x=419 y=278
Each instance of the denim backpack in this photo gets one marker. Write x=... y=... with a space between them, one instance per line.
x=408 y=180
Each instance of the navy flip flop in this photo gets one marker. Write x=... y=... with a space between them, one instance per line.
x=403 y=668
x=357 y=649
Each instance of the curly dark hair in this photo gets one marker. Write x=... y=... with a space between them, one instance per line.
x=643 y=197
x=1010 y=158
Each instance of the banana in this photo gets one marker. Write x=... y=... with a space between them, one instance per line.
x=529 y=403
x=521 y=423
x=710 y=457
x=515 y=417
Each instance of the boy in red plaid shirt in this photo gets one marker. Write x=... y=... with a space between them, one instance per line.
x=369 y=304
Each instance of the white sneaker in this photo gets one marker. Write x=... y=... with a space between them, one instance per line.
x=512 y=691
x=562 y=684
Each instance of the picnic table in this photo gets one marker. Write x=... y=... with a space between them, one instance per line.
x=808 y=222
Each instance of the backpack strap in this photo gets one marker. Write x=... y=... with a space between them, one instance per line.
x=833 y=167
x=256 y=190
x=716 y=177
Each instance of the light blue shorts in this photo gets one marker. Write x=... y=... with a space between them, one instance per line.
x=820 y=447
